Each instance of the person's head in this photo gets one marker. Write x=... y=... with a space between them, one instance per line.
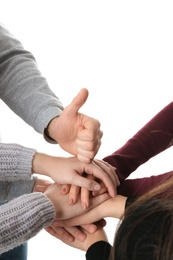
x=146 y=230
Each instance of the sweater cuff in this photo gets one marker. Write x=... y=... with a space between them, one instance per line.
x=28 y=215
x=99 y=251
x=47 y=137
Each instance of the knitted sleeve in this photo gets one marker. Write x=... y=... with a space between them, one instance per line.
x=155 y=137
x=15 y=162
x=13 y=189
x=22 y=218
x=22 y=86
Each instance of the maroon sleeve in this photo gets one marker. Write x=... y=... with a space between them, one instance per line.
x=155 y=137
x=138 y=187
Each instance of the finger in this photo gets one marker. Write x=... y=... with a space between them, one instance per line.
x=105 y=177
x=65 y=189
x=77 y=233
x=85 y=193
x=88 y=146
x=84 y=159
x=73 y=194
x=68 y=233
x=92 y=228
x=86 y=155
x=95 y=201
x=90 y=135
x=111 y=171
x=102 y=190
x=102 y=222
x=39 y=188
x=60 y=233
x=78 y=101
x=83 y=182
x=91 y=216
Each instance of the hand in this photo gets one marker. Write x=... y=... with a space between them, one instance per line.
x=41 y=185
x=69 y=170
x=62 y=207
x=77 y=133
x=113 y=207
x=85 y=194
x=74 y=233
x=90 y=238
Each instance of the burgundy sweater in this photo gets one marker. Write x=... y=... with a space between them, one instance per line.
x=155 y=137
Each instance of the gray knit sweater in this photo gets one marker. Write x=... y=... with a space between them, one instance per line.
x=22 y=87
x=26 y=92
x=23 y=217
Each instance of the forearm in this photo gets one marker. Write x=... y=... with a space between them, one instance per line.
x=15 y=162
x=33 y=212
x=153 y=138
x=22 y=86
x=138 y=187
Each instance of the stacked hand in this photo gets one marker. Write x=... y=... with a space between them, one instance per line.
x=81 y=136
x=68 y=229
x=76 y=133
x=64 y=170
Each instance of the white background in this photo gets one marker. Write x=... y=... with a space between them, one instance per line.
x=120 y=50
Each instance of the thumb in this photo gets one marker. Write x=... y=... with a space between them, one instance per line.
x=78 y=101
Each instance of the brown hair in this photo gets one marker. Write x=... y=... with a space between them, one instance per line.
x=146 y=229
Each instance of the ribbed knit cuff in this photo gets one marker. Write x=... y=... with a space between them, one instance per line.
x=16 y=162
x=23 y=218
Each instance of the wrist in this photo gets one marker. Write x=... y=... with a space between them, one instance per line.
x=50 y=130
x=118 y=207
x=39 y=163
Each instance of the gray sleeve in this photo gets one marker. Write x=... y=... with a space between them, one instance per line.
x=15 y=162
x=27 y=215
x=11 y=190
x=22 y=86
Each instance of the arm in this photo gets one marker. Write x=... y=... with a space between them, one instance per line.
x=35 y=211
x=113 y=207
x=27 y=93
x=153 y=138
x=32 y=211
x=26 y=161
x=95 y=244
x=139 y=186
x=22 y=86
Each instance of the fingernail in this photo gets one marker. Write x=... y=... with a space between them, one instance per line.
x=84 y=205
x=47 y=183
x=92 y=228
x=71 y=201
x=63 y=190
x=97 y=187
x=81 y=237
x=71 y=239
